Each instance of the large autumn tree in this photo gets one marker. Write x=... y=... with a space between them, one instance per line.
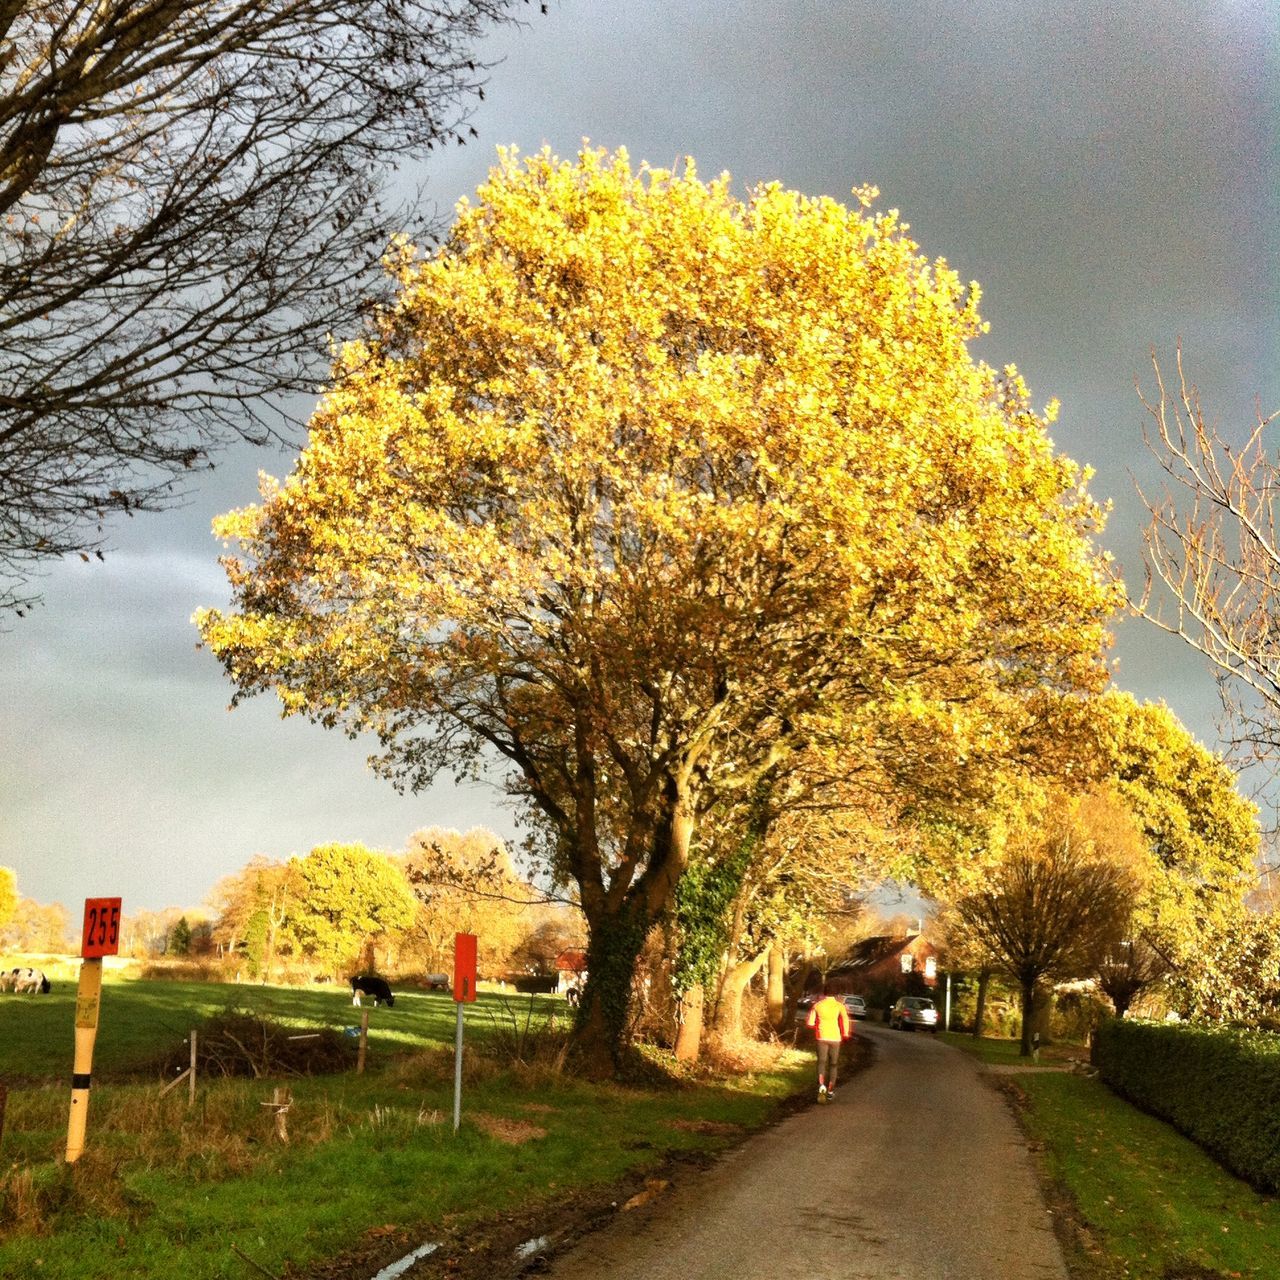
x=638 y=487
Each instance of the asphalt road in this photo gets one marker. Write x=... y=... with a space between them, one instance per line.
x=916 y=1171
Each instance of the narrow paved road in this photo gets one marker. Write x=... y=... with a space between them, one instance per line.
x=915 y=1172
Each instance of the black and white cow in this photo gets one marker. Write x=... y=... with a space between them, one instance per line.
x=32 y=980
x=370 y=985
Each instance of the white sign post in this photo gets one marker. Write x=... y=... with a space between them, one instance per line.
x=464 y=992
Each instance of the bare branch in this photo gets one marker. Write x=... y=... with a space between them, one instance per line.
x=1213 y=566
x=192 y=204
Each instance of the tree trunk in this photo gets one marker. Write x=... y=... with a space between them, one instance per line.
x=600 y=1032
x=689 y=1034
x=1043 y=1020
x=619 y=919
x=591 y=1038
x=269 y=957
x=776 y=995
x=808 y=970
x=984 y=979
x=1028 y=1013
x=736 y=981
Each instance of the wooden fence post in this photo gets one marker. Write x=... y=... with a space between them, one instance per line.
x=364 y=1040
x=191 y=1079
x=280 y=1100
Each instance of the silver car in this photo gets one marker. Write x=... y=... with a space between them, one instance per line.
x=911 y=1012
x=855 y=1005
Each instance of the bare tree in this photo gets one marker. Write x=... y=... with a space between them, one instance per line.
x=1052 y=907
x=1214 y=545
x=191 y=202
x=1127 y=969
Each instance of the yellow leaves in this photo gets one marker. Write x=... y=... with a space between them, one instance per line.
x=626 y=424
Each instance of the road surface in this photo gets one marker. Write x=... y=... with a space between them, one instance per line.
x=916 y=1171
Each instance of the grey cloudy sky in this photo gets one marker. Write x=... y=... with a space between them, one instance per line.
x=1108 y=173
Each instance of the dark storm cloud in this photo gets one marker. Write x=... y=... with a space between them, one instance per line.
x=1106 y=172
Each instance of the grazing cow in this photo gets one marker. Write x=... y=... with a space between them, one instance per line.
x=369 y=985
x=32 y=980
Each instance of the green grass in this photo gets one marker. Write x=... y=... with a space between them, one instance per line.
x=997 y=1052
x=365 y=1154
x=1153 y=1203
x=141 y=1020
x=163 y=1190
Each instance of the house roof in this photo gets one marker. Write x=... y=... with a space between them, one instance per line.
x=871 y=951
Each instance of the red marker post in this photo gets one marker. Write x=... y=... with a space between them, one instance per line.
x=100 y=937
x=464 y=992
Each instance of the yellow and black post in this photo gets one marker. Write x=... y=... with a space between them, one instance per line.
x=88 y=999
x=101 y=937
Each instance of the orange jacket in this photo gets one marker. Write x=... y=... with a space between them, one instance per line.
x=830 y=1019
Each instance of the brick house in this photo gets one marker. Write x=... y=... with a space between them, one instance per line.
x=571 y=970
x=876 y=966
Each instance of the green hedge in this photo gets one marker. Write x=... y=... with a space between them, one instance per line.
x=1218 y=1085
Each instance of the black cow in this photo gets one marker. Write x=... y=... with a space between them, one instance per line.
x=370 y=985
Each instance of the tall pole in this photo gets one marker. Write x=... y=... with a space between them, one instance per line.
x=100 y=937
x=457 y=1072
x=88 y=999
x=465 y=950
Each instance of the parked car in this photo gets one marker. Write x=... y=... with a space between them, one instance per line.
x=911 y=1012
x=856 y=1006
x=803 y=1005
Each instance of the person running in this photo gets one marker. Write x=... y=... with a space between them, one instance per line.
x=830 y=1022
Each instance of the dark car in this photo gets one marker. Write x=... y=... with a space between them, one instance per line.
x=803 y=1005
x=911 y=1012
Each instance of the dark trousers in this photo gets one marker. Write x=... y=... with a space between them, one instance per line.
x=828 y=1062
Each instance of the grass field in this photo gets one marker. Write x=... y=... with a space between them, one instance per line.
x=1149 y=1203
x=372 y=1163
x=141 y=1020
x=998 y=1052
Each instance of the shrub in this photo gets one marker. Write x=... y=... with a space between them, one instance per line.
x=519 y=1036
x=237 y=1043
x=1218 y=1085
x=1075 y=1014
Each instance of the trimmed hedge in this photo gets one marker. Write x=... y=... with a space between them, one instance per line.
x=1218 y=1085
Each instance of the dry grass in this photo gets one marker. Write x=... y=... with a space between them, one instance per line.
x=525 y=1040
x=33 y=1198
x=512 y=1132
x=716 y=1127
x=24 y=1203
x=238 y=1043
x=737 y=1056
x=228 y=1133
